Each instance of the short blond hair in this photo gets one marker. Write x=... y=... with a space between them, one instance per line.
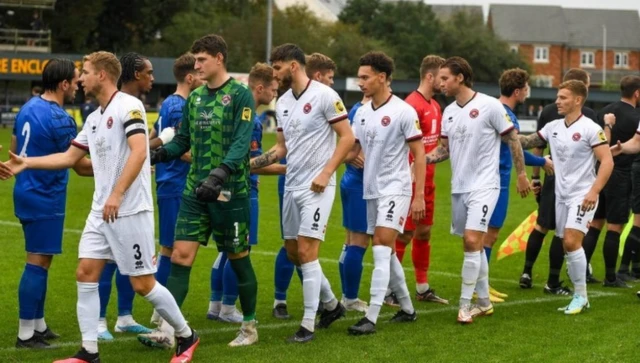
x=261 y=73
x=105 y=61
x=430 y=63
x=578 y=88
x=318 y=62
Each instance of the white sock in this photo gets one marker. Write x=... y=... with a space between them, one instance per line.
x=482 y=285
x=40 y=325
x=342 y=254
x=312 y=281
x=326 y=295
x=125 y=320
x=166 y=306
x=25 y=329
x=379 y=280
x=577 y=265
x=88 y=311
x=227 y=309
x=398 y=285
x=215 y=306
x=277 y=302
x=422 y=288
x=470 y=273
x=102 y=325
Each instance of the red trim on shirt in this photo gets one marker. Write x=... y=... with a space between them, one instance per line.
x=507 y=131
x=417 y=137
x=79 y=145
x=337 y=119
x=540 y=135
x=108 y=103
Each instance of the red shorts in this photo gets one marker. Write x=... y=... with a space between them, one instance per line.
x=429 y=203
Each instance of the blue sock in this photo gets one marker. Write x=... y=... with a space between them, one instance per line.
x=104 y=287
x=229 y=285
x=341 y=267
x=487 y=251
x=40 y=309
x=216 y=276
x=164 y=268
x=32 y=285
x=283 y=274
x=125 y=294
x=353 y=271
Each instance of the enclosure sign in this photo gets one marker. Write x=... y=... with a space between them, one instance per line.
x=25 y=66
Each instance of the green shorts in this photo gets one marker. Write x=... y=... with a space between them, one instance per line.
x=226 y=222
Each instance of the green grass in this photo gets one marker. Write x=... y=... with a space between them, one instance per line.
x=526 y=328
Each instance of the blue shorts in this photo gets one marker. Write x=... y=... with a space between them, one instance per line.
x=500 y=211
x=43 y=236
x=168 y=208
x=253 y=222
x=354 y=209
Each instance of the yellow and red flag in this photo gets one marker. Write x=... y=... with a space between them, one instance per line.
x=517 y=240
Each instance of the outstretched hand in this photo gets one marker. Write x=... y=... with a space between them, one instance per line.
x=15 y=165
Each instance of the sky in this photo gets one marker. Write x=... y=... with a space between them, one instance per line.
x=597 y=4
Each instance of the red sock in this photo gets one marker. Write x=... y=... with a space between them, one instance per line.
x=420 y=254
x=400 y=248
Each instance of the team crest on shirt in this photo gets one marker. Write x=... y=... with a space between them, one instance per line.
x=109 y=122
x=338 y=106
x=307 y=108
x=386 y=120
x=474 y=113
x=226 y=99
x=576 y=137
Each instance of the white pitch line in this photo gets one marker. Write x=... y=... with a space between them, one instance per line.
x=322 y=259
x=295 y=323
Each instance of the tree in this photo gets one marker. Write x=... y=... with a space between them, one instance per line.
x=471 y=39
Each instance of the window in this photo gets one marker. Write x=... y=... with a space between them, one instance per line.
x=621 y=60
x=587 y=59
x=541 y=81
x=541 y=54
x=513 y=48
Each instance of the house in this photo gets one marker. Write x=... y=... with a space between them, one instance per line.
x=553 y=39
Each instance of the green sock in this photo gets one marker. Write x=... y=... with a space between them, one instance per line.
x=178 y=282
x=247 y=286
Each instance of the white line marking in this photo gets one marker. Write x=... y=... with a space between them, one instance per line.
x=322 y=259
x=295 y=323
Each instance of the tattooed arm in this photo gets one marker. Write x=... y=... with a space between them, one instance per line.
x=277 y=152
x=441 y=153
x=523 y=186
x=530 y=141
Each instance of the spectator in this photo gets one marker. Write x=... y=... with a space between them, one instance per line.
x=36 y=26
x=540 y=107
x=531 y=111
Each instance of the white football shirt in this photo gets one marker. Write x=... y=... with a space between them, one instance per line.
x=474 y=132
x=305 y=122
x=104 y=136
x=384 y=133
x=572 y=153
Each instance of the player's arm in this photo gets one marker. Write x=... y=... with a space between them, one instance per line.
x=16 y=164
x=531 y=141
x=440 y=153
x=273 y=169
x=603 y=155
x=179 y=144
x=420 y=173
x=630 y=147
x=277 y=152
x=13 y=147
x=137 y=138
x=355 y=151
x=83 y=167
x=517 y=155
x=186 y=157
x=345 y=144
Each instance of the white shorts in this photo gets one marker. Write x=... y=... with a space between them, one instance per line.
x=306 y=213
x=129 y=241
x=472 y=210
x=387 y=211
x=570 y=215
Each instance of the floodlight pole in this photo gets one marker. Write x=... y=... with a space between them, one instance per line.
x=269 y=29
x=604 y=54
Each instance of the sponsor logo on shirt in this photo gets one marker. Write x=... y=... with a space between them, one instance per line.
x=601 y=136
x=134 y=114
x=417 y=123
x=339 y=107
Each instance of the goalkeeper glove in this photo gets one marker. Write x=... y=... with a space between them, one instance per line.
x=209 y=189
